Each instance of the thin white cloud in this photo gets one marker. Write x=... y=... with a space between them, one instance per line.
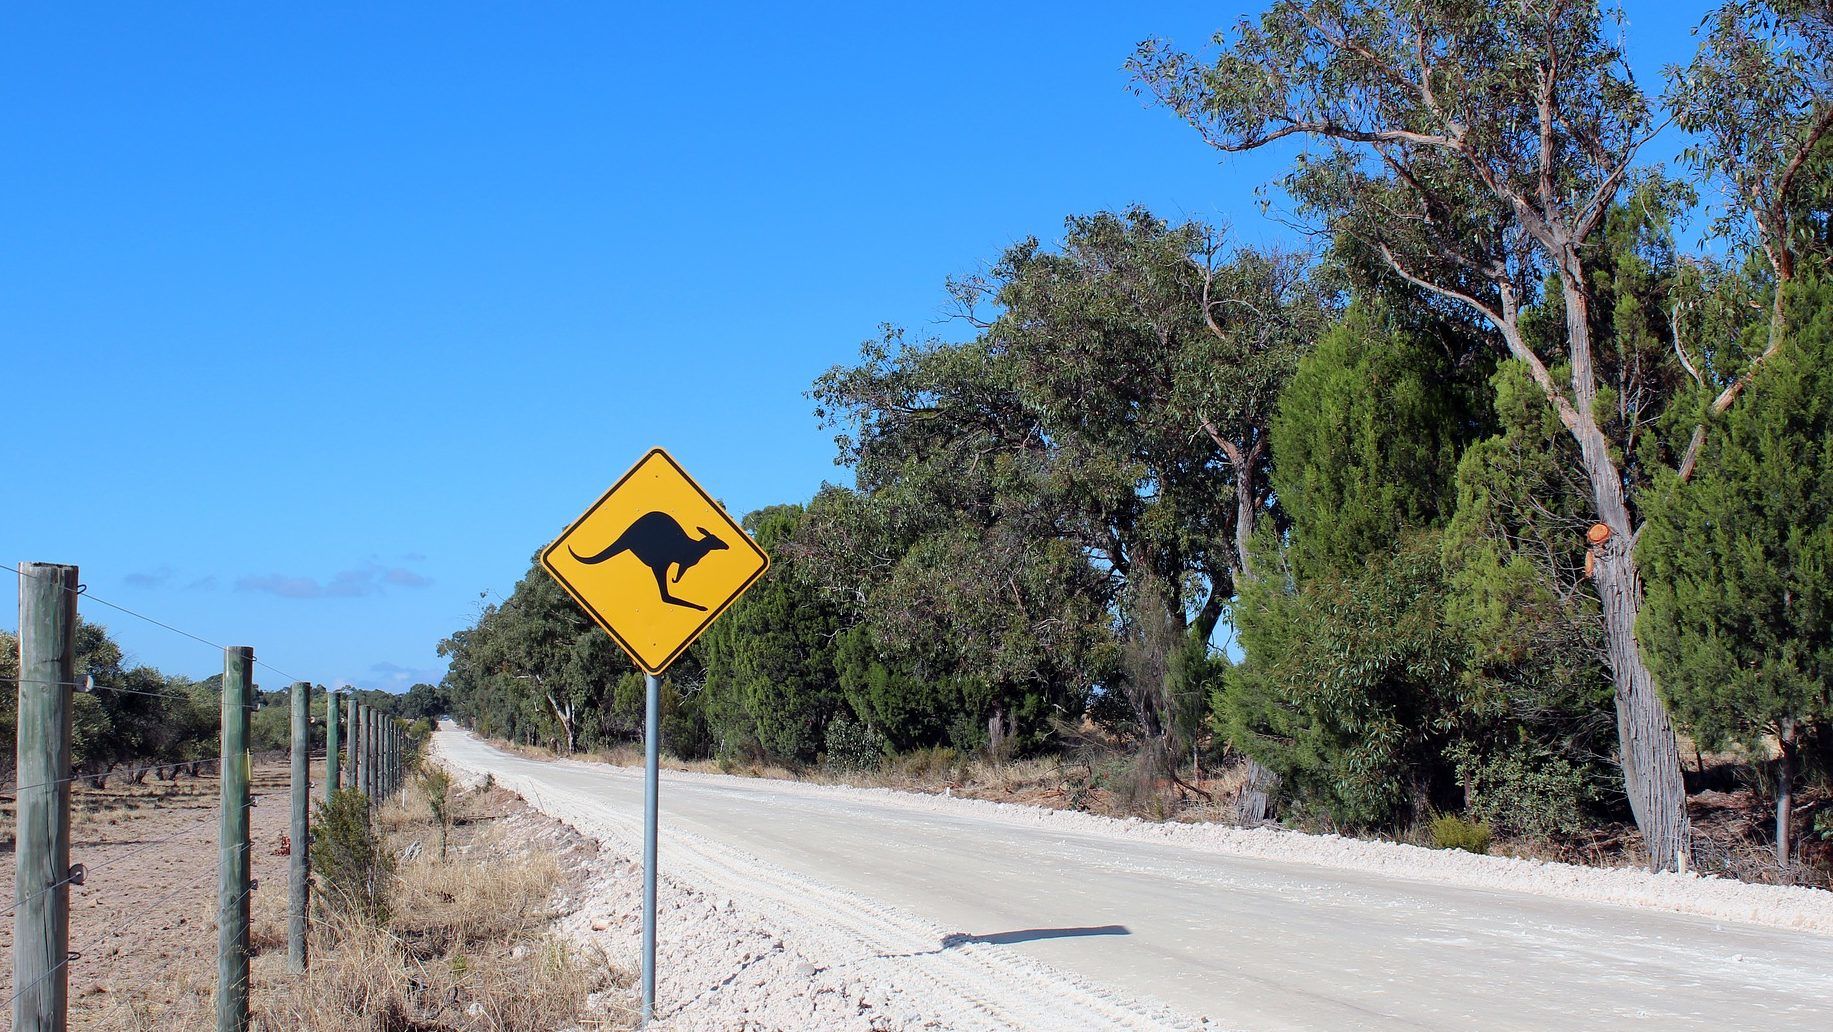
x=150 y=579
x=370 y=579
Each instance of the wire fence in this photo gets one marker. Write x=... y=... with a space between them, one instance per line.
x=171 y=853
x=83 y=591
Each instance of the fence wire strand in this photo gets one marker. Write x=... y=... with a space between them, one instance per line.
x=83 y=590
x=149 y=907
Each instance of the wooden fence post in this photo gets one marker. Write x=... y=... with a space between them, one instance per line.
x=298 y=868
x=350 y=733
x=232 y=885
x=359 y=744
x=42 y=873
x=372 y=753
x=332 y=768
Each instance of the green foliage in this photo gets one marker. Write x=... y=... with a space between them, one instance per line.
x=422 y=702
x=1349 y=691
x=348 y=859
x=770 y=674
x=1515 y=555
x=157 y=718
x=436 y=784
x=1753 y=101
x=524 y=662
x=1366 y=436
x=1020 y=493
x=852 y=747
x=1527 y=789
x=1739 y=619
x=1452 y=832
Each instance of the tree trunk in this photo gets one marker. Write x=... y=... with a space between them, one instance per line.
x=1255 y=801
x=1785 y=793
x=566 y=720
x=1649 y=751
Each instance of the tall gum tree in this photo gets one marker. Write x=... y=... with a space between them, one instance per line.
x=1758 y=100
x=1477 y=148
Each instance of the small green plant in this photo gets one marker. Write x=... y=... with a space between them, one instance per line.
x=347 y=855
x=1453 y=832
x=437 y=784
x=852 y=747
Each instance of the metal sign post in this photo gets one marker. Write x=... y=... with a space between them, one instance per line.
x=623 y=562
x=652 y=720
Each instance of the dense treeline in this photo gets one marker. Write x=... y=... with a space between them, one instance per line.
x=140 y=723
x=1499 y=491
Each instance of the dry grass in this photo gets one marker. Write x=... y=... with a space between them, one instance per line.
x=1732 y=828
x=467 y=946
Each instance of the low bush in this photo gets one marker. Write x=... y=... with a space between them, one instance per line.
x=852 y=747
x=934 y=763
x=348 y=858
x=1452 y=832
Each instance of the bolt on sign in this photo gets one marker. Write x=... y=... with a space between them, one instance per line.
x=655 y=561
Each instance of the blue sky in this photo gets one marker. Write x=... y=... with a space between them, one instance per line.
x=320 y=319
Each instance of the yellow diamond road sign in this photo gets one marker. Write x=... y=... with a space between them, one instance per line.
x=655 y=561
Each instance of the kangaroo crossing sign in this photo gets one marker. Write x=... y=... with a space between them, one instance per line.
x=655 y=561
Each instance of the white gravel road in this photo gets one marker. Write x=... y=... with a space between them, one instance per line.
x=961 y=915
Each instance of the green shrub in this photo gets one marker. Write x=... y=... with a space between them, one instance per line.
x=347 y=855
x=437 y=784
x=852 y=747
x=1527 y=791
x=1451 y=832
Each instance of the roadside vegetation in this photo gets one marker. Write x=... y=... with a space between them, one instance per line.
x=141 y=724
x=404 y=937
x=1492 y=518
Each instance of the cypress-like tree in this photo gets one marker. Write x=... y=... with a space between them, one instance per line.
x=1345 y=691
x=1739 y=617
x=770 y=660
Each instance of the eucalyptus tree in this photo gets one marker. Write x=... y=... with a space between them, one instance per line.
x=1739 y=621
x=1101 y=438
x=1478 y=149
x=1168 y=351
x=950 y=564
x=1758 y=99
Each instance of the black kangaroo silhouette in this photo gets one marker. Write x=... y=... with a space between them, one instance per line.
x=657 y=540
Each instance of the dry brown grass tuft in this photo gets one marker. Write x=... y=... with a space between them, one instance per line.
x=462 y=901
x=467 y=946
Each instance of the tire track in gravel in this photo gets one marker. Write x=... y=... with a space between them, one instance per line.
x=959 y=984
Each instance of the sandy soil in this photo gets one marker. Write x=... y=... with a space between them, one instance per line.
x=144 y=918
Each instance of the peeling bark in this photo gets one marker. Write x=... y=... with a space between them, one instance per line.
x=1648 y=750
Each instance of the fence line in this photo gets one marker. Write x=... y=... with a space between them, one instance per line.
x=42 y=913
x=379 y=736
x=83 y=591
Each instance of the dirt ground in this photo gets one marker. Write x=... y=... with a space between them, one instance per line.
x=143 y=921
